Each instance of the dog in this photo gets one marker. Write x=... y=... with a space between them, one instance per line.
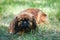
x=27 y=20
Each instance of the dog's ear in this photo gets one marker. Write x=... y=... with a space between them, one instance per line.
x=34 y=25
x=12 y=25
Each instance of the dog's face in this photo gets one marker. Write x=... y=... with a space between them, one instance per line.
x=23 y=22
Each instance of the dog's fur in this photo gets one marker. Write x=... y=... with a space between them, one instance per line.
x=35 y=17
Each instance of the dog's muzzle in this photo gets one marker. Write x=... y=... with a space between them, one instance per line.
x=24 y=23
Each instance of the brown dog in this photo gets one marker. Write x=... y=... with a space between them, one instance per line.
x=27 y=20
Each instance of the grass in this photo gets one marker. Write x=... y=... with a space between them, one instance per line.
x=8 y=9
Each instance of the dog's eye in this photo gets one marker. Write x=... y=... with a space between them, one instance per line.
x=30 y=23
x=18 y=23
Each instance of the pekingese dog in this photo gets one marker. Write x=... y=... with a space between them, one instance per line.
x=27 y=20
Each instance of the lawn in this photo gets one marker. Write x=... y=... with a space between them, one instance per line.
x=10 y=8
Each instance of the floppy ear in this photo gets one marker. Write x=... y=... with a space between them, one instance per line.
x=34 y=25
x=12 y=25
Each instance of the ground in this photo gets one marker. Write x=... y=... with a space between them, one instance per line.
x=10 y=8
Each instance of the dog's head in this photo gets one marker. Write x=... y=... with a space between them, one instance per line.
x=24 y=22
x=24 y=19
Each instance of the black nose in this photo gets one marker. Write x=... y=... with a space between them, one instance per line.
x=25 y=23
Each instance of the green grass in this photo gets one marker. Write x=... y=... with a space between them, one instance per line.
x=10 y=8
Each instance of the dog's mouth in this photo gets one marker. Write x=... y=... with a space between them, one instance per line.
x=24 y=24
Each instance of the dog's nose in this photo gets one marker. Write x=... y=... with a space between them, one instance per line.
x=24 y=22
x=24 y=25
